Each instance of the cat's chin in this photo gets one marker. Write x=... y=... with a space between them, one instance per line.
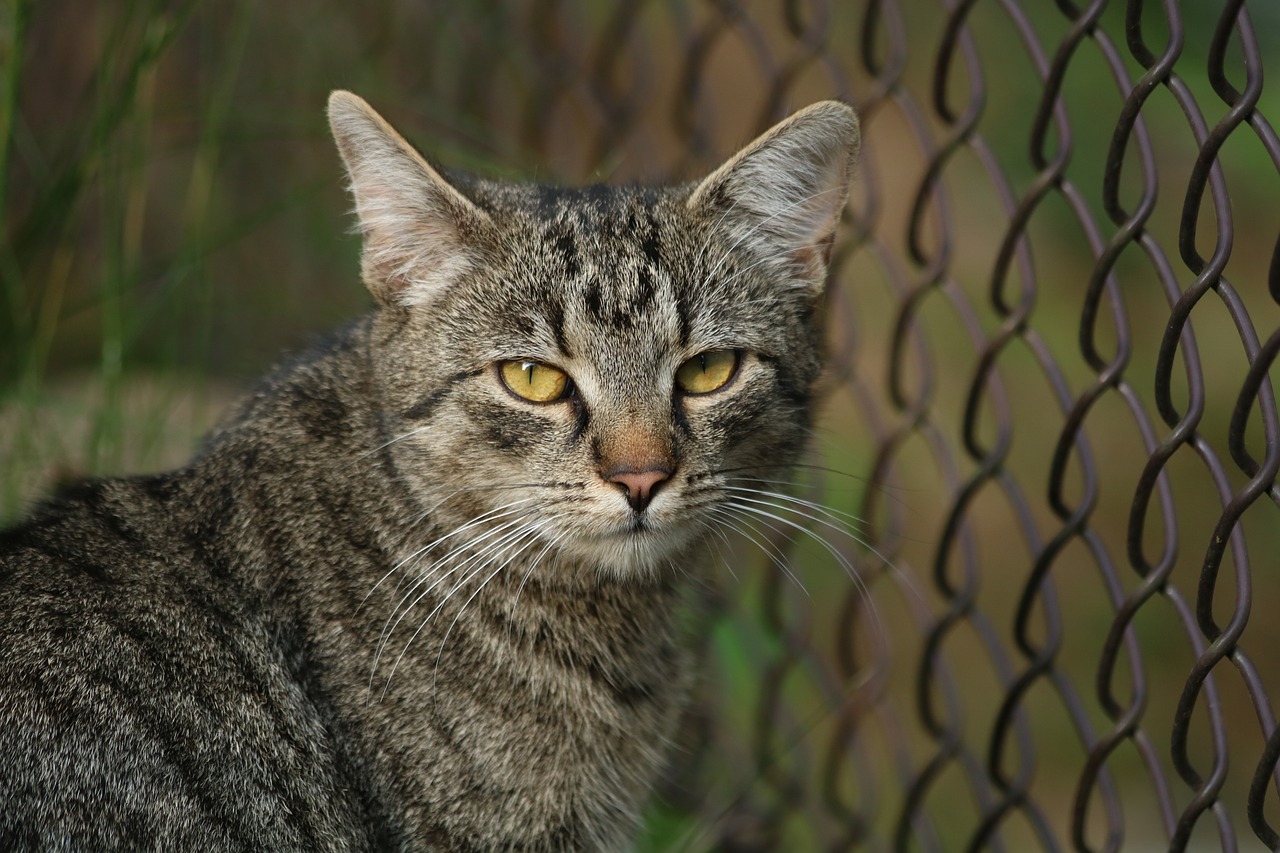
x=639 y=551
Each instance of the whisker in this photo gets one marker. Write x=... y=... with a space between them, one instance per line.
x=753 y=506
x=795 y=466
x=494 y=488
x=831 y=549
x=532 y=528
x=839 y=516
x=736 y=522
x=532 y=565
x=503 y=532
x=488 y=516
x=891 y=492
x=740 y=273
x=467 y=554
x=479 y=560
x=410 y=434
x=713 y=526
x=907 y=582
x=714 y=231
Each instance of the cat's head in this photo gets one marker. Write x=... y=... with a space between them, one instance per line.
x=596 y=372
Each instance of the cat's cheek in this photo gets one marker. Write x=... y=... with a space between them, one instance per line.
x=760 y=435
x=733 y=416
x=532 y=435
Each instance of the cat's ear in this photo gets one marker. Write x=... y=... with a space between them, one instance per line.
x=418 y=229
x=783 y=194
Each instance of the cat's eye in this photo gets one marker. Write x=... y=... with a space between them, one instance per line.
x=535 y=381
x=707 y=371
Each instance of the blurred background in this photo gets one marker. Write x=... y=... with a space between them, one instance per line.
x=1038 y=608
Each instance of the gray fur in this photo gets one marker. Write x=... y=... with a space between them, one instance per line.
x=267 y=649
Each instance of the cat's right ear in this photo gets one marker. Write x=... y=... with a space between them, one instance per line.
x=418 y=229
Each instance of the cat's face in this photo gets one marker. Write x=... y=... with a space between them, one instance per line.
x=602 y=372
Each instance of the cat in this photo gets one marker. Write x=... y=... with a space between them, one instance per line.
x=422 y=589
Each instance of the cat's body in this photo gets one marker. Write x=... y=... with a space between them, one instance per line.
x=401 y=600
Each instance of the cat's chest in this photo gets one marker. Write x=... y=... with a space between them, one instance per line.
x=534 y=720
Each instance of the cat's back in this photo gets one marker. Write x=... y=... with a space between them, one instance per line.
x=146 y=700
x=95 y=559
x=102 y=558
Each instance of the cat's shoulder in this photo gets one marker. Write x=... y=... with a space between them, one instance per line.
x=84 y=510
x=91 y=535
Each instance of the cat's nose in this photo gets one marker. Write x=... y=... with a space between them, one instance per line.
x=639 y=485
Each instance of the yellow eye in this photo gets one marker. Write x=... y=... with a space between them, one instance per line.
x=707 y=371
x=534 y=381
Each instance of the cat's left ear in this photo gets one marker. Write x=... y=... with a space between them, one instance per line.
x=419 y=231
x=781 y=196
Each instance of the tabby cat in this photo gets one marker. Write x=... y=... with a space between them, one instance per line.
x=422 y=589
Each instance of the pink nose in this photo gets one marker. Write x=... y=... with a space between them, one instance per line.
x=639 y=485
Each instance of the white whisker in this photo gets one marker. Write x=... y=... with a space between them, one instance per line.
x=533 y=528
x=837 y=525
x=554 y=541
x=731 y=517
x=503 y=533
x=838 y=516
x=831 y=549
x=714 y=231
x=740 y=273
x=491 y=515
x=410 y=434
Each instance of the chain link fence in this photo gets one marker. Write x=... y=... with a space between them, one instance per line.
x=1054 y=327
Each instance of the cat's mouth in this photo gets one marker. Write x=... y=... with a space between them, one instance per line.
x=636 y=541
x=646 y=528
x=639 y=524
x=636 y=527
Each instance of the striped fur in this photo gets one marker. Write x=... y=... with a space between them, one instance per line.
x=391 y=605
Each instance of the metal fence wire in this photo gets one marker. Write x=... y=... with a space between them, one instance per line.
x=1054 y=330
x=1054 y=324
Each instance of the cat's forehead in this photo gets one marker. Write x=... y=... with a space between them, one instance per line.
x=625 y=278
x=593 y=220
x=599 y=230
x=605 y=256
x=584 y=204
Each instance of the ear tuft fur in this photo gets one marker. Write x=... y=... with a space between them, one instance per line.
x=782 y=195
x=416 y=225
